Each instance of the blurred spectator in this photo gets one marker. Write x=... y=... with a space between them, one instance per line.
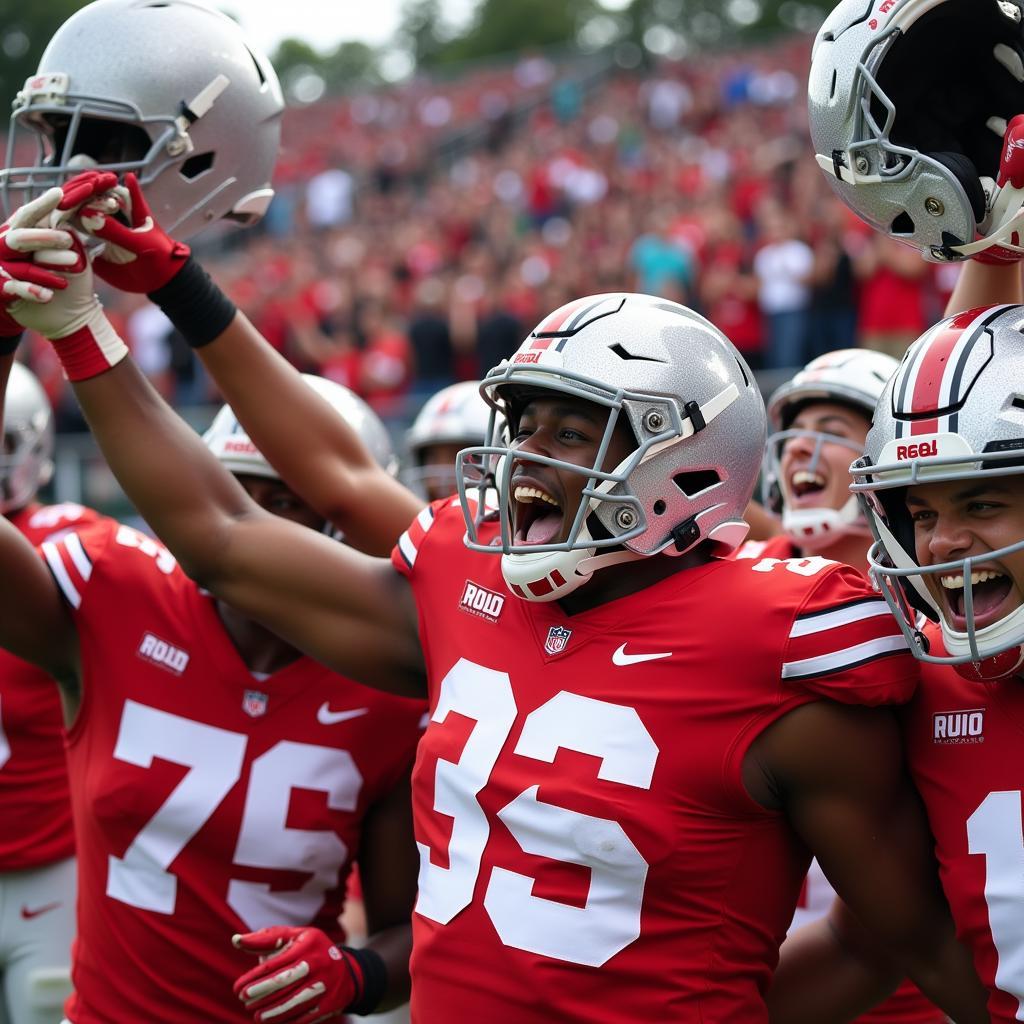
x=784 y=266
x=834 y=293
x=893 y=282
x=431 y=339
x=330 y=199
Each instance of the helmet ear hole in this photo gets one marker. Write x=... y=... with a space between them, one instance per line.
x=196 y=165
x=962 y=168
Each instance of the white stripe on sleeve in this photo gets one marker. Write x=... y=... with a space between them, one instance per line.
x=74 y=545
x=60 y=574
x=840 y=617
x=408 y=549
x=837 y=660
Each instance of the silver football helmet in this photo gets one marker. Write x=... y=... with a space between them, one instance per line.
x=27 y=460
x=455 y=415
x=693 y=408
x=169 y=89
x=953 y=411
x=851 y=376
x=908 y=102
x=227 y=439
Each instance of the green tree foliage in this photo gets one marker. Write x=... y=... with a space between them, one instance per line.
x=25 y=29
x=499 y=27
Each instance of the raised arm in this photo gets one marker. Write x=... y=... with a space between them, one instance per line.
x=986 y=284
x=351 y=611
x=34 y=621
x=316 y=452
x=838 y=775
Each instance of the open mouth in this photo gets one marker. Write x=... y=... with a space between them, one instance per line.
x=991 y=592
x=538 y=516
x=806 y=487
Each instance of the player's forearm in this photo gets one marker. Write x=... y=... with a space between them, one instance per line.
x=982 y=284
x=163 y=466
x=820 y=980
x=393 y=946
x=944 y=971
x=314 y=449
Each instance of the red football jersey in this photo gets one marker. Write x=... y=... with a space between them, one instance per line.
x=34 y=804
x=207 y=800
x=907 y=1005
x=589 y=851
x=964 y=748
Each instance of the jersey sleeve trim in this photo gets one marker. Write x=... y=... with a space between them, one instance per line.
x=849 y=658
x=61 y=576
x=831 y=618
x=409 y=542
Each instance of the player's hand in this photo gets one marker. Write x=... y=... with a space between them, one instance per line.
x=28 y=247
x=137 y=258
x=1009 y=180
x=302 y=976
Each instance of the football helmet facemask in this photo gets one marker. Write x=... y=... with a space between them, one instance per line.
x=854 y=377
x=27 y=460
x=909 y=101
x=169 y=89
x=692 y=406
x=951 y=412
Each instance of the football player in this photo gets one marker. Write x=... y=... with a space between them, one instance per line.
x=819 y=421
x=454 y=418
x=221 y=782
x=579 y=860
x=37 y=864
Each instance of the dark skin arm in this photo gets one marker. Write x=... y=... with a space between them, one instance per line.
x=388 y=869
x=837 y=774
x=350 y=611
x=837 y=968
x=983 y=284
x=316 y=452
x=35 y=624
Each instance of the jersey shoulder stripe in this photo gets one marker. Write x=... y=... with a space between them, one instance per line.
x=408 y=547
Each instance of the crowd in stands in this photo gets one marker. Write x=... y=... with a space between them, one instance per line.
x=394 y=263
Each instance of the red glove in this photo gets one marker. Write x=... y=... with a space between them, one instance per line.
x=140 y=258
x=1011 y=172
x=22 y=239
x=302 y=976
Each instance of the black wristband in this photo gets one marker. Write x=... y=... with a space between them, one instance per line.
x=195 y=305
x=9 y=344
x=375 y=980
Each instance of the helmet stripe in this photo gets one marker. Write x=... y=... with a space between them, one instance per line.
x=932 y=375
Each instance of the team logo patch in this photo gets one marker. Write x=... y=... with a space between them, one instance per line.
x=479 y=601
x=254 y=703
x=166 y=656
x=955 y=727
x=558 y=639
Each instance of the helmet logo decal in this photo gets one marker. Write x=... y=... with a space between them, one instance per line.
x=932 y=377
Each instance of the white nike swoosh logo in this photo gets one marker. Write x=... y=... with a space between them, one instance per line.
x=325 y=716
x=620 y=657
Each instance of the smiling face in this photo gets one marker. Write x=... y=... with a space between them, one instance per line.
x=959 y=519
x=823 y=482
x=545 y=499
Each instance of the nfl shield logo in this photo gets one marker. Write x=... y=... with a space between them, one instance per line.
x=254 y=703
x=558 y=637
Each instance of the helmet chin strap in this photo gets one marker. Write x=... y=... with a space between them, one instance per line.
x=813 y=529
